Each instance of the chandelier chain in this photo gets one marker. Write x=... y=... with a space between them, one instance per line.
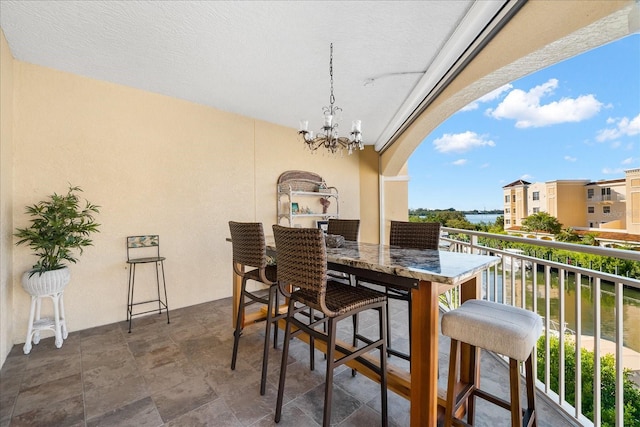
x=332 y=98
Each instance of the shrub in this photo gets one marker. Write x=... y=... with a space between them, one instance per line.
x=607 y=381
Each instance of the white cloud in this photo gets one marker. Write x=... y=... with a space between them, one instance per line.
x=627 y=161
x=459 y=162
x=609 y=171
x=526 y=108
x=494 y=94
x=622 y=127
x=570 y=159
x=461 y=142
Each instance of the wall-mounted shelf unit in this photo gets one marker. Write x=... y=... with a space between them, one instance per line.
x=301 y=195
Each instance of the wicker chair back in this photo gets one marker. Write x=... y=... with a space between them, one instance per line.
x=248 y=243
x=302 y=259
x=415 y=235
x=347 y=228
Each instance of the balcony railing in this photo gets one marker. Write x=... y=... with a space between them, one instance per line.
x=578 y=304
x=607 y=198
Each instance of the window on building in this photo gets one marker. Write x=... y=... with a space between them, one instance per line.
x=507 y=198
x=536 y=195
x=606 y=193
x=507 y=221
x=536 y=210
x=591 y=209
x=606 y=209
x=507 y=210
x=514 y=198
x=590 y=193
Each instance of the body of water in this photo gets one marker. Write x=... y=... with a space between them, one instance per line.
x=478 y=218
x=631 y=304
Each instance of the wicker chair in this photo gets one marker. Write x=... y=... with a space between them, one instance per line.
x=347 y=228
x=249 y=251
x=302 y=277
x=412 y=235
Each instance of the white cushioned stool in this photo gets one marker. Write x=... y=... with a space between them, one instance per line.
x=502 y=329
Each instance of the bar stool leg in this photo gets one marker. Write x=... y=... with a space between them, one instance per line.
x=132 y=279
x=238 y=331
x=516 y=409
x=328 y=383
x=531 y=394
x=283 y=363
x=164 y=283
x=451 y=392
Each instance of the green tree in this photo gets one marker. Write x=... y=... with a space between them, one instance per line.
x=568 y=235
x=541 y=222
x=607 y=381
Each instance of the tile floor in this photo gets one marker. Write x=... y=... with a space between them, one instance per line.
x=179 y=375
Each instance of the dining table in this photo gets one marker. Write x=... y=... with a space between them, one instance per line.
x=426 y=274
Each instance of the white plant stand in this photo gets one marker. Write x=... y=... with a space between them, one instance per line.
x=51 y=284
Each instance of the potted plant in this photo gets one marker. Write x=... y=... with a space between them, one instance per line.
x=60 y=228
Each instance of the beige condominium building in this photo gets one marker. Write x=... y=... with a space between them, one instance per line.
x=581 y=204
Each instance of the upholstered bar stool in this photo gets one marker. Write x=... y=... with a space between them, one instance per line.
x=502 y=329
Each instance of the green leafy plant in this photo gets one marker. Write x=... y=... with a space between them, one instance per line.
x=60 y=225
x=607 y=381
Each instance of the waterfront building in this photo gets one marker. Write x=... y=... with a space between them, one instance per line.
x=605 y=205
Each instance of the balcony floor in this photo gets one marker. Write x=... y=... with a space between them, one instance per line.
x=179 y=375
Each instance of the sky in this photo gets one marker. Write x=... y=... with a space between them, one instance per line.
x=578 y=119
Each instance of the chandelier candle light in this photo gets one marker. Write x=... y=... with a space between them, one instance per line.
x=328 y=135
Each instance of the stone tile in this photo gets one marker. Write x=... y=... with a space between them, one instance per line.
x=114 y=357
x=109 y=388
x=62 y=413
x=142 y=413
x=213 y=414
x=48 y=394
x=46 y=372
x=181 y=372
x=248 y=405
x=110 y=374
x=171 y=374
x=182 y=398
x=6 y=407
x=102 y=338
x=224 y=381
x=102 y=399
x=159 y=355
x=363 y=416
x=292 y=416
x=343 y=405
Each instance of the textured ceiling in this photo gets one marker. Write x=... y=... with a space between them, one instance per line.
x=266 y=60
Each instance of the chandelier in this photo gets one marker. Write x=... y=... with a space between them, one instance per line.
x=328 y=135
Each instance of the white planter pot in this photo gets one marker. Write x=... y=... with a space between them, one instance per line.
x=47 y=283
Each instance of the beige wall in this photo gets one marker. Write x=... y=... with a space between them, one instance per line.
x=633 y=200
x=155 y=165
x=369 y=196
x=570 y=203
x=6 y=198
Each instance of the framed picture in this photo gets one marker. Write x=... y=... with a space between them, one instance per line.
x=323 y=225
x=295 y=208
